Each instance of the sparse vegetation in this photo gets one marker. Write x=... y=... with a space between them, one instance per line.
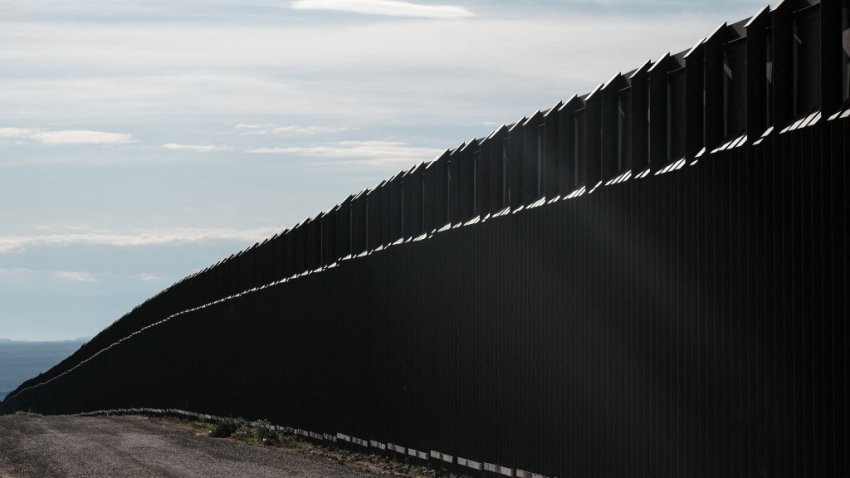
x=262 y=433
x=30 y=413
x=224 y=428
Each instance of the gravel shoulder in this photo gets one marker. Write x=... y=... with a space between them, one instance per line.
x=61 y=446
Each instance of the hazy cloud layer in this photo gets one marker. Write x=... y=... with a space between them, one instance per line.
x=267 y=129
x=196 y=148
x=391 y=8
x=65 y=137
x=402 y=71
x=148 y=277
x=72 y=276
x=18 y=243
x=373 y=153
x=23 y=273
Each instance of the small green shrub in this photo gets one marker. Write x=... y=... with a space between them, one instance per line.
x=224 y=429
x=264 y=434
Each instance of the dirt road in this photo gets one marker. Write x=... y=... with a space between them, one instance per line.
x=36 y=446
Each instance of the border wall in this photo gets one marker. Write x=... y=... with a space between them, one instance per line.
x=650 y=280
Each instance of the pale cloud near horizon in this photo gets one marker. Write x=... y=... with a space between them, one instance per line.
x=15 y=133
x=267 y=129
x=18 y=273
x=75 y=276
x=392 y=8
x=69 y=137
x=80 y=277
x=195 y=148
x=372 y=153
x=148 y=277
x=20 y=243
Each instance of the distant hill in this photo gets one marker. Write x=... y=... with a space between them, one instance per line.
x=20 y=360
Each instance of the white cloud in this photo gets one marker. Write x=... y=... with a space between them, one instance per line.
x=71 y=276
x=14 y=133
x=66 y=136
x=148 y=277
x=19 y=243
x=21 y=273
x=372 y=153
x=197 y=148
x=272 y=129
x=81 y=137
x=393 y=8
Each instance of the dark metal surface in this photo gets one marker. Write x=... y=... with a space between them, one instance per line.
x=675 y=309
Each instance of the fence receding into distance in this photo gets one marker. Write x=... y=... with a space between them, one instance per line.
x=649 y=280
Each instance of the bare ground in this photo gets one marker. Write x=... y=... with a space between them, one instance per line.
x=61 y=446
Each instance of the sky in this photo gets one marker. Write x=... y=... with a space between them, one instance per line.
x=142 y=140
